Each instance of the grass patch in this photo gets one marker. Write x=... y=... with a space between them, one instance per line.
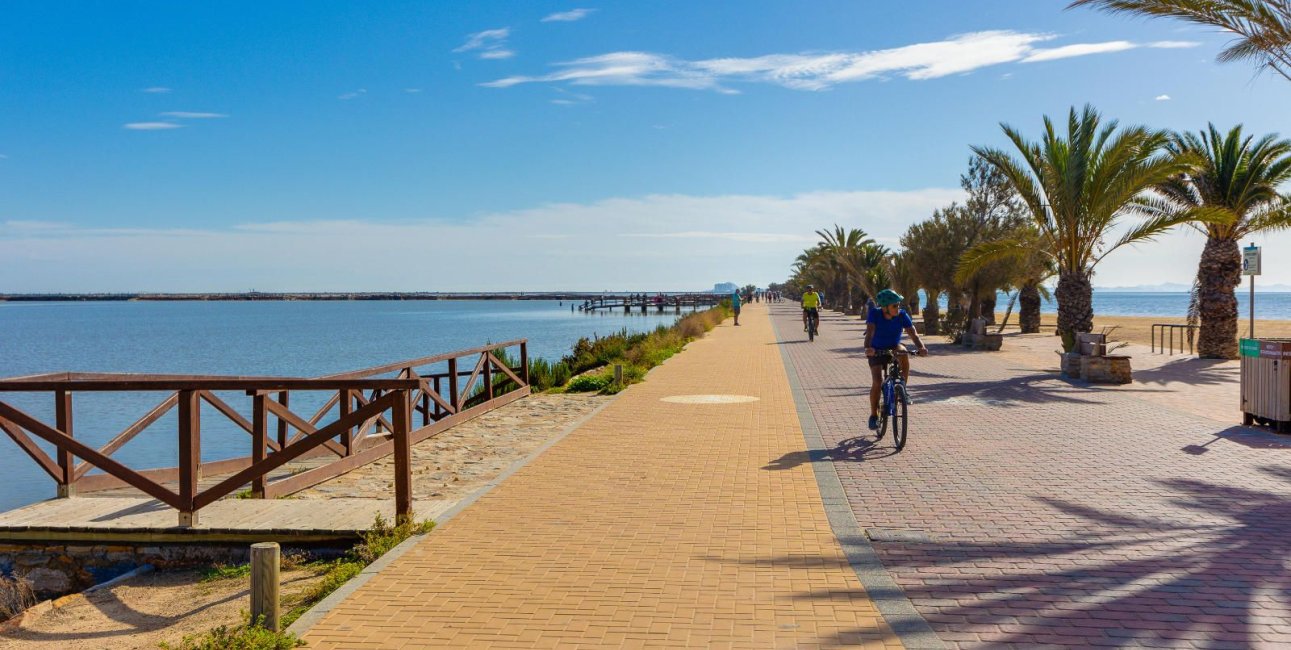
x=224 y=572
x=239 y=637
x=15 y=597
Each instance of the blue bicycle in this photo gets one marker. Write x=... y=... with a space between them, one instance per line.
x=895 y=402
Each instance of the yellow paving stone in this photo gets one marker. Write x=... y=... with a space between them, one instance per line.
x=656 y=523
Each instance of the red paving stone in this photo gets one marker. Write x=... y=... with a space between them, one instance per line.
x=1057 y=514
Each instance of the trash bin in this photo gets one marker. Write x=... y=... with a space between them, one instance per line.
x=1266 y=382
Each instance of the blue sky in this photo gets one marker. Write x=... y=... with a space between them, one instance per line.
x=632 y=145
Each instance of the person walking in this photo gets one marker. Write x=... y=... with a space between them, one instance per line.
x=735 y=305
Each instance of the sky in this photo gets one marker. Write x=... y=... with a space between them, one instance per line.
x=527 y=146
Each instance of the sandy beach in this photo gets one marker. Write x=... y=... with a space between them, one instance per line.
x=1138 y=329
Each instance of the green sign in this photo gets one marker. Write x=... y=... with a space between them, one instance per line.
x=1249 y=347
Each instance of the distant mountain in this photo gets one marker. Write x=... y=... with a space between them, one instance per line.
x=1175 y=287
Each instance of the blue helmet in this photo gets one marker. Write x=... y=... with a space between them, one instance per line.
x=888 y=297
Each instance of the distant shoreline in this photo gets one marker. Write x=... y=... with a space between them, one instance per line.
x=329 y=296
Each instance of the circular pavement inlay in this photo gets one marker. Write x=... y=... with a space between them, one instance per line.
x=709 y=399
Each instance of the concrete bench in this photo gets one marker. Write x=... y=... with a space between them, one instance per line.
x=1090 y=362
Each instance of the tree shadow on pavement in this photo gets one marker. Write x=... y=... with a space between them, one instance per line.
x=1194 y=372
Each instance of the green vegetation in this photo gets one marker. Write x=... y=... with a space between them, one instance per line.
x=376 y=541
x=239 y=637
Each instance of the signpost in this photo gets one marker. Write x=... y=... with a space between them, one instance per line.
x=1251 y=267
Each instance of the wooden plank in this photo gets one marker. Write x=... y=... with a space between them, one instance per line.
x=190 y=448
x=505 y=370
x=100 y=482
x=423 y=361
x=66 y=464
x=228 y=411
x=213 y=383
x=58 y=439
x=133 y=430
x=284 y=414
x=28 y=445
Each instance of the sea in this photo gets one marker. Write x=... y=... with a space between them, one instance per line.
x=1173 y=305
x=288 y=338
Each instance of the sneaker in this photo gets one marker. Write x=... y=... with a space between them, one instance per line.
x=874 y=423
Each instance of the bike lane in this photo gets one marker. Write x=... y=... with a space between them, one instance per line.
x=1029 y=511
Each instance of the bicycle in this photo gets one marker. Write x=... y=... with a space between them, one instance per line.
x=813 y=324
x=894 y=401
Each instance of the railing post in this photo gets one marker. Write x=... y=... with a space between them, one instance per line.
x=190 y=454
x=283 y=397
x=259 y=440
x=488 y=375
x=347 y=407
x=401 y=419
x=265 y=560
x=452 y=385
x=66 y=462
x=438 y=408
x=524 y=361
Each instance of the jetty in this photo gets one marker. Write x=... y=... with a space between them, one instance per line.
x=644 y=303
x=366 y=415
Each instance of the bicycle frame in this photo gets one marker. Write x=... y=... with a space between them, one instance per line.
x=890 y=381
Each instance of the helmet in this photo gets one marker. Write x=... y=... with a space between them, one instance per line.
x=888 y=297
x=811 y=286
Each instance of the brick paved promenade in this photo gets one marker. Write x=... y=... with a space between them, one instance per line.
x=653 y=524
x=1035 y=512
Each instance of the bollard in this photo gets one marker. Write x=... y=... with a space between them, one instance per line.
x=618 y=374
x=264 y=584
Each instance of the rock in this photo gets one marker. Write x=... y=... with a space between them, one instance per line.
x=48 y=582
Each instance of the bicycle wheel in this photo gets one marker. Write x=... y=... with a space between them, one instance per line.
x=900 y=417
x=811 y=329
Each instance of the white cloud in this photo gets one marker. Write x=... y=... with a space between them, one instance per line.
x=188 y=115
x=353 y=94
x=1163 y=98
x=157 y=90
x=412 y=91
x=676 y=241
x=817 y=71
x=152 y=126
x=3 y=157
x=1173 y=45
x=1082 y=49
x=568 y=16
x=490 y=43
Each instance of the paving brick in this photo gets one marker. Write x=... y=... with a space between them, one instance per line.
x=1059 y=503
x=654 y=524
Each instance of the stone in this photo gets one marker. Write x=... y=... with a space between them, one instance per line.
x=1106 y=370
x=48 y=582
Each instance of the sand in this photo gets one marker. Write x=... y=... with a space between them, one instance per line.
x=1138 y=329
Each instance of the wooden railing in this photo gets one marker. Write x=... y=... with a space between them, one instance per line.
x=359 y=433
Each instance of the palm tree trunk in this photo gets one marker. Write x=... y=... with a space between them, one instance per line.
x=988 y=309
x=1075 y=302
x=1029 y=313
x=930 y=313
x=1218 y=274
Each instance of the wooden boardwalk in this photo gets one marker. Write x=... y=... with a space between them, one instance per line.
x=125 y=520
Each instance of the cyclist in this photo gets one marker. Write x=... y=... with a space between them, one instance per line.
x=810 y=305
x=883 y=328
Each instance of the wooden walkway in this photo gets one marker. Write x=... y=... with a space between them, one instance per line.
x=125 y=520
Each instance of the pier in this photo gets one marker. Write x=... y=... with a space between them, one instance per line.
x=644 y=303
x=368 y=414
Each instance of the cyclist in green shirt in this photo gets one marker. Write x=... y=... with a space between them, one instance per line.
x=810 y=305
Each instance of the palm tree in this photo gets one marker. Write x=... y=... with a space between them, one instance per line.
x=1234 y=187
x=1262 y=27
x=863 y=262
x=1029 y=267
x=1077 y=188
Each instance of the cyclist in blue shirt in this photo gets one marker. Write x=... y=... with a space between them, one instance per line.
x=883 y=328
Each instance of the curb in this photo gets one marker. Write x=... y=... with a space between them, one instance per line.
x=324 y=607
x=897 y=610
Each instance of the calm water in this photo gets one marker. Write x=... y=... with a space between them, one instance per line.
x=246 y=338
x=1274 y=306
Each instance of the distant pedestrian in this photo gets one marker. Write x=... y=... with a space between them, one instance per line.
x=735 y=305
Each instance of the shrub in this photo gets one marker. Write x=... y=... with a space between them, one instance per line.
x=382 y=537
x=588 y=383
x=15 y=597
x=241 y=637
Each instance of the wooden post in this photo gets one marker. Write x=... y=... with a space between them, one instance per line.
x=488 y=376
x=524 y=361
x=347 y=407
x=438 y=409
x=265 y=559
x=618 y=374
x=259 y=440
x=190 y=454
x=66 y=463
x=400 y=420
x=452 y=385
x=283 y=397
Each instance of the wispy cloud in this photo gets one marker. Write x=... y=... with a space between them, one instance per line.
x=188 y=115
x=567 y=16
x=412 y=91
x=157 y=90
x=818 y=71
x=490 y=44
x=1163 y=98
x=353 y=94
x=754 y=237
x=152 y=126
x=3 y=157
